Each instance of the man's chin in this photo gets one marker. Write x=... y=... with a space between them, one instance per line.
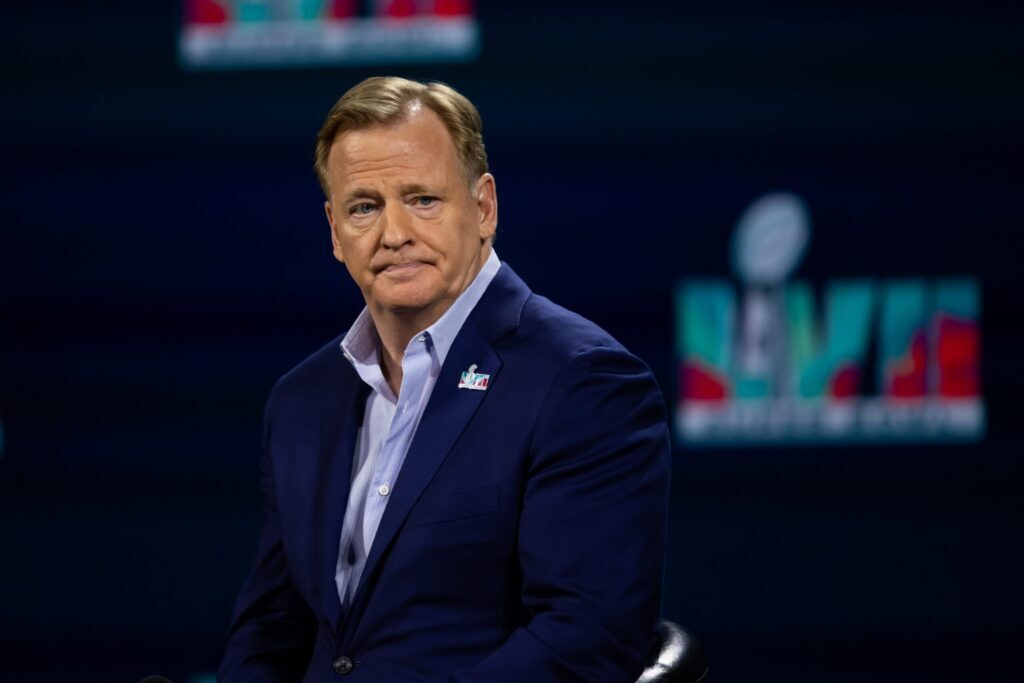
x=407 y=307
x=422 y=300
x=406 y=303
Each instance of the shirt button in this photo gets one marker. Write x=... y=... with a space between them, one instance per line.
x=343 y=665
x=384 y=490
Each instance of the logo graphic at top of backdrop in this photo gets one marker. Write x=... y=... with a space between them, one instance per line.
x=260 y=33
x=885 y=360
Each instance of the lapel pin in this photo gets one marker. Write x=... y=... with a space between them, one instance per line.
x=471 y=379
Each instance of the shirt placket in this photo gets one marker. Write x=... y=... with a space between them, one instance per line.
x=415 y=370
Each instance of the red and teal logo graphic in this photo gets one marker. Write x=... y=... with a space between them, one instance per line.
x=471 y=379
x=300 y=33
x=884 y=360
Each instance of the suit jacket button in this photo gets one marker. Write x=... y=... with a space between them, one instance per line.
x=343 y=665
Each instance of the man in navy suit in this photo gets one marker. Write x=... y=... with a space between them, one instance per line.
x=471 y=484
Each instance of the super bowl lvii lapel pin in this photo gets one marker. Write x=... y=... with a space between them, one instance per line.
x=471 y=379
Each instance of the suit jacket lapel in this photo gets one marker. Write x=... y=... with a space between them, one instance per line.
x=337 y=447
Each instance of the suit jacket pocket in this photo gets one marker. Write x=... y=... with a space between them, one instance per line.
x=455 y=506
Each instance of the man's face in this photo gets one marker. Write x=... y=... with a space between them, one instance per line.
x=404 y=221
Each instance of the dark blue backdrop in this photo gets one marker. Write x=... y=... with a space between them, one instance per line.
x=165 y=258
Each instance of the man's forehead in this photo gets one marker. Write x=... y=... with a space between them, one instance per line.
x=412 y=144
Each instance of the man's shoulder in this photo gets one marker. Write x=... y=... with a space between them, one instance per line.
x=561 y=334
x=515 y=319
x=317 y=375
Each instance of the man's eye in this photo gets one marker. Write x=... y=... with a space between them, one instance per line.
x=363 y=209
x=426 y=201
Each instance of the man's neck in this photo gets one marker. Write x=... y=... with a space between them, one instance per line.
x=395 y=332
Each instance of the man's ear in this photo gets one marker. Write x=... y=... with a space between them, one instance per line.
x=335 y=242
x=487 y=205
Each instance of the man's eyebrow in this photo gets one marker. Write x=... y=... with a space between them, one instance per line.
x=417 y=188
x=361 y=193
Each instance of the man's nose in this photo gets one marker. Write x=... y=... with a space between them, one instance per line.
x=397 y=227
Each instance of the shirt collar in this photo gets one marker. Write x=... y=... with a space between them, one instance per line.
x=361 y=343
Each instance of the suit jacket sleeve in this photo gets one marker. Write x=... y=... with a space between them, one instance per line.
x=592 y=529
x=273 y=630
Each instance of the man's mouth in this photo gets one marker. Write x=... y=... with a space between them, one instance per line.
x=401 y=269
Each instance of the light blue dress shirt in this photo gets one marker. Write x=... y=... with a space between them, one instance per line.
x=389 y=421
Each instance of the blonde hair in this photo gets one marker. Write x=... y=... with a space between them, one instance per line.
x=383 y=100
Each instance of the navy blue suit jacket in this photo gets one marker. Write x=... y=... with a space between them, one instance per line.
x=524 y=539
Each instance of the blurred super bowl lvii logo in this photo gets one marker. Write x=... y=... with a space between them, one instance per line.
x=885 y=360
